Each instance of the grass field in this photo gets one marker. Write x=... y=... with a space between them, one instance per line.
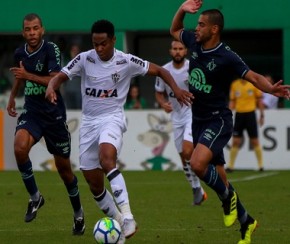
x=161 y=204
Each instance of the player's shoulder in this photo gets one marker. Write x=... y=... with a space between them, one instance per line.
x=168 y=65
x=50 y=45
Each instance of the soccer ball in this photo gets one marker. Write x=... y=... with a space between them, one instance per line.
x=107 y=231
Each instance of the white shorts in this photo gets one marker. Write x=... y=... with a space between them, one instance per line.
x=182 y=133
x=107 y=129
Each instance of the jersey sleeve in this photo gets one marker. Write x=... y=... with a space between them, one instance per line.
x=187 y=37
x=159 y=84
x=54 y=60
x=237 y=64
x=137 y=66
x=74 y=66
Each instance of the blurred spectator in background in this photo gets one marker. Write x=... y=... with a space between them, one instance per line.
x=134 y=99
x=71 y=90
x=270 y=101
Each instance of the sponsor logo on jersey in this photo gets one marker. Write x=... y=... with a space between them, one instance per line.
x=75 y=61
x=33 y=89
x=198 y=81
x=115 y=77
x=92 y=92
x=91 y=60
x=123 y=61
x=138 y=61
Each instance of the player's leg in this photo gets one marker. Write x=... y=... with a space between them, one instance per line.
x=110 y=143
x=57 y=138
x=63 y=166
x=108 y=158
x=198 y=192
x=236 y=141
x=247 y=222
x=252 y=129
x=27 y=134
x=210 y=138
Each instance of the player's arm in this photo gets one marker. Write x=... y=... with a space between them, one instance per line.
x=54 y=85
x=163 y=102
x=264 y=85
x=183 y=96
x=11 y=102
x=189 y=6
x=21 y=73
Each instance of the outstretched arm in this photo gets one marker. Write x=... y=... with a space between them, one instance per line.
x=189 y=6
x=54 y=85
x=264 y=85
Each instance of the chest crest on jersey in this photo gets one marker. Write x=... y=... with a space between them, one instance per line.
x=194 y=55
x=211 y=65
x=38 y=66
x=115 y=77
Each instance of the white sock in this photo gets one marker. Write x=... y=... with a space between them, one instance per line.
x=106 y=203
x=120 y=193
x=195 y=182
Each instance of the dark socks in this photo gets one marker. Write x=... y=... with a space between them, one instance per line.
x=214 y=181
x=74 y=196
x=28 y=178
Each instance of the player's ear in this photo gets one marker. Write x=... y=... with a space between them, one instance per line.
x=215 y=29
x=114 y=39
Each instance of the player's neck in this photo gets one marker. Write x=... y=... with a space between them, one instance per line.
x=210 y=44
x=178 y=65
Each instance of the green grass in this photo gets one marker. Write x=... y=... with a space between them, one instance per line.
x=161 y=204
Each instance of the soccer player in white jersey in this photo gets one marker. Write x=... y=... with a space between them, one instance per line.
x=180 y=115
x=106 y=74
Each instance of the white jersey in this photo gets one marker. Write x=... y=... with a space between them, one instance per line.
x=180 y=114
x=104 y=85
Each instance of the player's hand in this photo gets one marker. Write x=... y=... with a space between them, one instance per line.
x=50 y=95
x=191 y=6
x=167 y=107
x=280 y=90
x=11 y=107
x=19 y=72
x=183 y=97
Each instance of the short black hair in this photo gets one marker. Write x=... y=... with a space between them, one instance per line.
x=215 y=17
x=103 y=26
x=32 y=16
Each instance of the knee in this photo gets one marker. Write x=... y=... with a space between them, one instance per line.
x=21 y=152
x=198 y=168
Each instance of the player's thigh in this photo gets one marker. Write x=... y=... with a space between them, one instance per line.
x=57 y=138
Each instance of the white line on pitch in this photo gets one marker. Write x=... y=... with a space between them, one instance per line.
x=254 y=177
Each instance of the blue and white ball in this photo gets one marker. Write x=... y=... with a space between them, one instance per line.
x=107 y=231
